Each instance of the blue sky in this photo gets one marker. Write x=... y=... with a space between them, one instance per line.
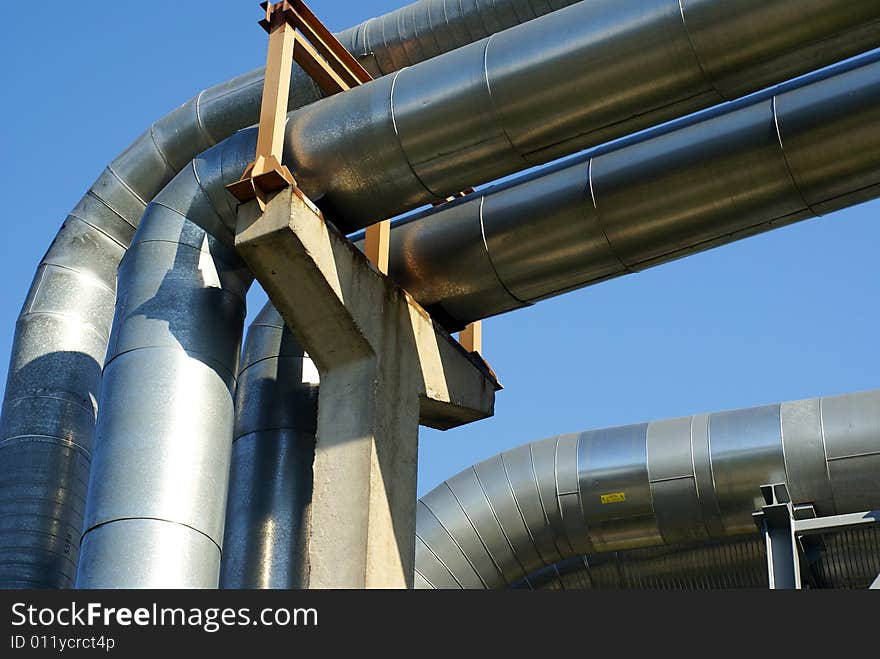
x=786 y=315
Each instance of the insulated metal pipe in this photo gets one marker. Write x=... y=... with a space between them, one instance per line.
x=422 y=30
x=61 y=335
x=577 y=77
x=688 y=480
x=270 y=486
x=810 y=149
x=156 y=500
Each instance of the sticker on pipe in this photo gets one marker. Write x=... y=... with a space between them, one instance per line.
x=613 y=497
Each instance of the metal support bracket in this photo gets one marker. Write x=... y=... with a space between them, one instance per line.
x=775 y=521
x=791 y=532
x=297 y=35
x=382 y=358
x=471 y=337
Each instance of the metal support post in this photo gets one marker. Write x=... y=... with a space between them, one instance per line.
x=471 y=337
x=775 y=521
x=295 y=34
x=792 y=531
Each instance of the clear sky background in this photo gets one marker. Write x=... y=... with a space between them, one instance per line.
x=786 y=315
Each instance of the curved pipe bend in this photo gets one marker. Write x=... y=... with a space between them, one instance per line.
x=689 y=480
x=61 y=335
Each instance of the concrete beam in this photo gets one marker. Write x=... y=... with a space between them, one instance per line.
x=386 y=367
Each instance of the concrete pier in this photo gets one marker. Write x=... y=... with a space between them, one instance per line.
x=385 y=367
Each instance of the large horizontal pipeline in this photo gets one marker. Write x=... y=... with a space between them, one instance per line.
x=810 y=149
x=688 y=480
x=61 y=335
x=845 y=560
x=575 y=78
x=445 y=256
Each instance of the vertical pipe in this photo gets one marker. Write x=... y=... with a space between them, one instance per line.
x=271 y=477
x=157 y=492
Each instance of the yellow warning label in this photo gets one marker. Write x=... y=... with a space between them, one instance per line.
x=613 y=497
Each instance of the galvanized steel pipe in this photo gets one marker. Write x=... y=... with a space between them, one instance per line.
x=574 y=78
x=811 y=149
x=692 y=479
x=157 y=494
x=847 y=560
x=61 y=335
x=738 y=562
x=270 y=485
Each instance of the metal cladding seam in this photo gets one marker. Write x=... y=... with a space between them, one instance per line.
x=688 y=480
x=271 y=477
x=61 y=335
x=571 y=79
x=811 y=149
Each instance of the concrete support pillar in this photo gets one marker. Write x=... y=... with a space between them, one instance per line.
x=364 y=480
x=385 y=368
